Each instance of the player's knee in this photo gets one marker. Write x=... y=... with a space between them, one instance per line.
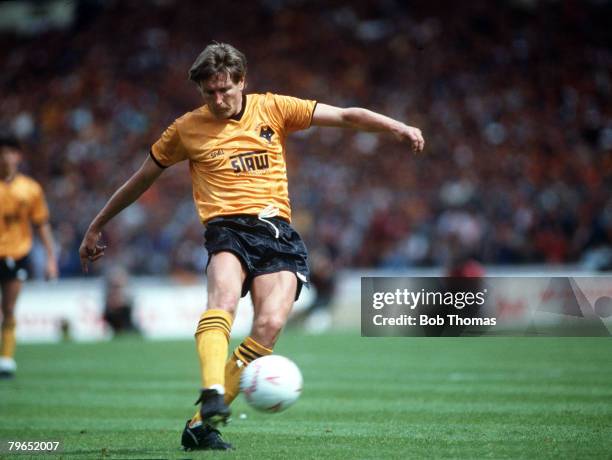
x=268 y=328
x=224 y=301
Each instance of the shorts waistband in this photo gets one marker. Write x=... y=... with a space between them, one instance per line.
x=254 y=217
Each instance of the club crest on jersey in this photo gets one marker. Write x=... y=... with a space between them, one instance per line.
x=250 y=161
x=266 y=132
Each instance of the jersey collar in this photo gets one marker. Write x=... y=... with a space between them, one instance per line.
x=238 y=116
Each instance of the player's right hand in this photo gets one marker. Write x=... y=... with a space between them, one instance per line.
x=91 y=249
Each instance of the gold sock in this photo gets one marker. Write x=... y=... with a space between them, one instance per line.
x=244 y=353
x=7 y=338
x=212 y=339
x=196 y=418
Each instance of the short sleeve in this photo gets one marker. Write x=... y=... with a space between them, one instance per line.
x=169 y=149
x=295 y=113
x=39 y=213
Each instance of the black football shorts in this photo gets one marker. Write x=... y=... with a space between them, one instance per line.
x=254 y=242
x=13 y=269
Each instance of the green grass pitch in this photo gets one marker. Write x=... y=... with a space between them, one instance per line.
x=363 y=398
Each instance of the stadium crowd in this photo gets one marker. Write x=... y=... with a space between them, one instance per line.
x=514 y=100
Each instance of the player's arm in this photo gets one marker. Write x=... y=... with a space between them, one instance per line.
x=91 y=250
x=46 y=237
x=366 y=120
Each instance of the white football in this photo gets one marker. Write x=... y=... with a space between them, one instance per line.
x=271 y=383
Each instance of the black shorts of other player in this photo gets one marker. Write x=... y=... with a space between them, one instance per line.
x=254 y=242
x=14 y=269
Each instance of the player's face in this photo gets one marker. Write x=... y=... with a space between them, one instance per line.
x=9 y=161
x=222 y=96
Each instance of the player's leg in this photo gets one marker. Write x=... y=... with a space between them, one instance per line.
x=226 y=276
x=273 y=295
x=10 y=291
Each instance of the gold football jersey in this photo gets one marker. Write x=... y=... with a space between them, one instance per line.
x=22 y=203
x=238 y=164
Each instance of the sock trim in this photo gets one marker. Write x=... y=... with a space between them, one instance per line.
x=204 y=325
x=250 y=350
x=256 y=347
x=215 y=319
x=246 y=354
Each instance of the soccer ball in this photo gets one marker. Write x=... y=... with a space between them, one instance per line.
x=271 y=383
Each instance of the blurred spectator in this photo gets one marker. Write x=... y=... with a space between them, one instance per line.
x=118 y=303
x=514 y=98
x=317 y=317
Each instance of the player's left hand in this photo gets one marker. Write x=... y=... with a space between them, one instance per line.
x=412 y=135
x=91 y=249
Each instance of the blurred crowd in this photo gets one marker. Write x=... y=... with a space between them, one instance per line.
x=514 y=100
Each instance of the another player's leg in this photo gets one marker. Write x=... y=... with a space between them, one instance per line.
x=10 y=292
x=225 y=278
